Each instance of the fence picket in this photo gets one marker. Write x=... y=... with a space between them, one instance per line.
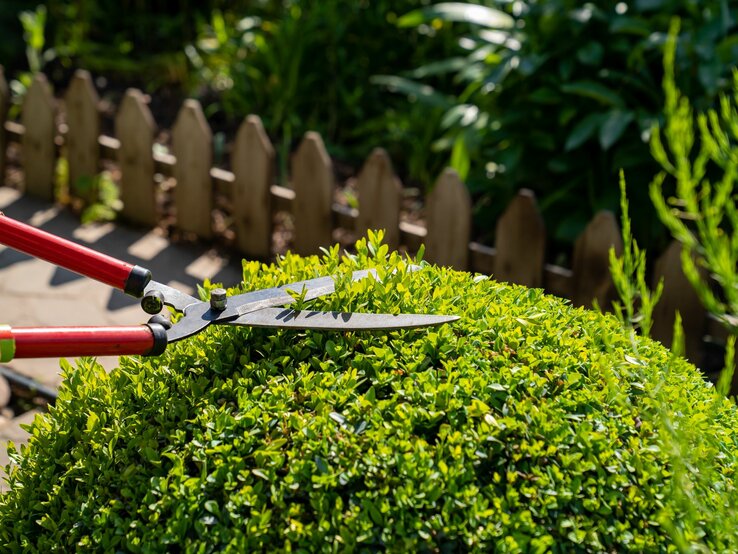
x=192 y=142
x=312 y=176
x=520 y=242
x=678 y=295
x=4 y=106
x=135 y=127
x=83 y=120
x=379 y=192
x=449 y=222
x=591 y=261
x=253 y=168
x=39 y=152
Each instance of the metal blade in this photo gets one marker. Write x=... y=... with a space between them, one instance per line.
x=172 y=297
x=277 y=296
x=199 y=315
x=286 y=318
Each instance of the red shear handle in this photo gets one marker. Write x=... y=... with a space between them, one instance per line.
x=131 y=279
x=57 y=342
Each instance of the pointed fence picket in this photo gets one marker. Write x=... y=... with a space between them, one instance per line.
x=253 y=168
x=37 y=147
x=521 y=242
x=518 y=255
x=591 y=261
x=192 y=143
x=135 y=128
x=449 y=222
x=380 y=195
x=83 y=121
x=312 y=179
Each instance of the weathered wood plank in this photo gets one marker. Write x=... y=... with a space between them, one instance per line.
x=253 y=169
x=192 y=142
x=678 y=295
x=135 y=128
x=83 y=121
x=4 y=107
x=521 y=242
x=380 y=195
x=591 y=261
x=38 y=148
x=312 y=179
x=448 y=211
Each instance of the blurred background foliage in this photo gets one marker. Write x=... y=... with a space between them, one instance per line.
x=553 y=95
x=559 y=95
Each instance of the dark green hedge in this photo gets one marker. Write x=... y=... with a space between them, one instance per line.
x=526 y=426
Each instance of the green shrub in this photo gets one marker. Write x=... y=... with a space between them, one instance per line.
x=528 y=425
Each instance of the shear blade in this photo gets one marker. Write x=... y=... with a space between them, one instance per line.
x=286 y=318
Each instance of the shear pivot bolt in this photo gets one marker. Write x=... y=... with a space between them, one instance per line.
x=218 y=299
x=152 y=302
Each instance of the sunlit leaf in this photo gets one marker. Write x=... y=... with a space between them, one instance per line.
x=593 y=90
x=614 y=126
x=458 y=12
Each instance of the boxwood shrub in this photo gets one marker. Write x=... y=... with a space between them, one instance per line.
x=528 y=425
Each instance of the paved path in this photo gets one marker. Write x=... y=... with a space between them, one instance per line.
x=35 y=293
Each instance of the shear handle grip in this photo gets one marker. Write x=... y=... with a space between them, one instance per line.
x=131 y=279
x=58 y=342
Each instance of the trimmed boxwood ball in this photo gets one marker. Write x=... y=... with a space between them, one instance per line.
x=528 y=425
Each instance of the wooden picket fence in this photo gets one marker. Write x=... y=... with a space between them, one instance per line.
x=518 y=254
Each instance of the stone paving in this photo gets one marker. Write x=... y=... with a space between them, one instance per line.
x=36 y=293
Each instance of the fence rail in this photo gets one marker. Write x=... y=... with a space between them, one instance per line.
x=518 y=254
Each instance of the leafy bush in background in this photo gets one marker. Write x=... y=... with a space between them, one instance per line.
x=528 y=425
x=306 y=65
x=558 y=95
x=128 y=39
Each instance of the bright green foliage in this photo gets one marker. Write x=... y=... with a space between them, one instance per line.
x=637 y=301
x=528 y=425
x=702 y=214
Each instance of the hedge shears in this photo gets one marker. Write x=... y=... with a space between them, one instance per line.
x=259 y=308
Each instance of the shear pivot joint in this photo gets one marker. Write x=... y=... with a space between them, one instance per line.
x=152 y=302
x=218 y=299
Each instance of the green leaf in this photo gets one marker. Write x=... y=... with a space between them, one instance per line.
x=594 y=90
x=478 y=408
x=591 y=53
x=613 y=127
x=439 y=68
x=92 y=420
x=416 y=91
x=583 y=130
x=460 y=13
x=460 y=159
